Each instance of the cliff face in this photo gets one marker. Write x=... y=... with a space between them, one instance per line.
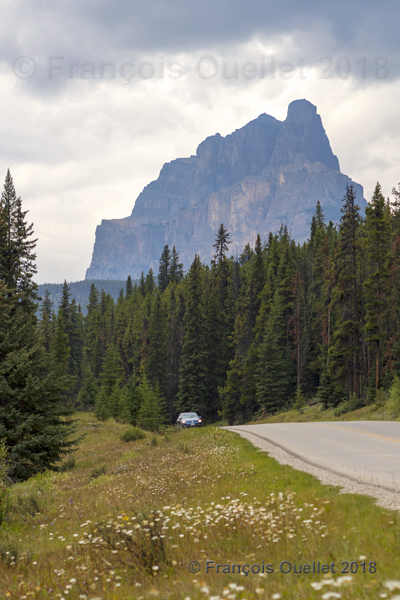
x=266 y=173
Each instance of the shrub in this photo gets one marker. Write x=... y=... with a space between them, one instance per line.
x=25 y=505
x=132 y=434
x=393 y=403
x=183 y=447
x=68 y=464
x=97 y=472
x=352 y=404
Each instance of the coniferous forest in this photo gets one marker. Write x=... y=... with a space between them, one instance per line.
x=277 y=326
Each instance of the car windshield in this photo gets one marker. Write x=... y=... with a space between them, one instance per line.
x=189 y=416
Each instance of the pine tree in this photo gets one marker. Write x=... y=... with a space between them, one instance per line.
x=271 y=376
x=131 y=399
x=345 y=350
x=142 y=284
x=45 y=326
x=60 y=347
x=129 y=287
x=152 y=411
x=221 y=244
x=17 y=258
x=88 y=392
x=157 y=351
x=193 y=390
x=164 y=272
x=377 y=239
x=150 y=282
x=246 y=255
x=33 y=421
x=92 y=334
x=76 y=341
x=176 y=271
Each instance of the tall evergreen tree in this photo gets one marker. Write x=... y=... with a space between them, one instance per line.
x=33 y=421
x=176 y=271
x=193 y=389
x=345 y=351
x=221 y=244
x=377 y=240
x=45 y=326
x=157 y=350
x=129 y=287
x=164 y=272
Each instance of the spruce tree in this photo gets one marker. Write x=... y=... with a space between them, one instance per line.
x=131 y=399
x=88 y=392
x=92 y=350
x=377 y=239
x=129 y=287
x=33 y=420
x=45 y=325
x=152 y=411
x=176 y=271
x=157 y=351
x=164 y=271
x=150 y=282
x=221 y=244
x=17 y=257
x=345 y=351
x=193 y=389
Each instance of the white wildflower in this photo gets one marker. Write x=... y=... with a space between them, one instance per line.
x=392 y=585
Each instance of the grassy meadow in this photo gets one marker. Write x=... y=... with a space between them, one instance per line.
x=125 y=519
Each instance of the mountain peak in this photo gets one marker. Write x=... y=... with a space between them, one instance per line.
x=301 y=110
x=264 y=174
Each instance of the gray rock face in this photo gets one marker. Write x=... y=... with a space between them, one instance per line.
x=266 y=173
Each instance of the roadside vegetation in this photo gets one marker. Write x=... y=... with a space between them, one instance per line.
x=123 y=519
x=388 y=409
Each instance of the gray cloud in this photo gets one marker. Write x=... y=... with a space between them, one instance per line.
x=81 y=149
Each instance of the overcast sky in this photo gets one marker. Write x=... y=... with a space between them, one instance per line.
x=96 y=95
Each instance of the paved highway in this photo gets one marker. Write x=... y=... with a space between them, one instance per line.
x=364 y=451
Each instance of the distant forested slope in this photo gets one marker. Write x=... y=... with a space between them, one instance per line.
x=80 y=290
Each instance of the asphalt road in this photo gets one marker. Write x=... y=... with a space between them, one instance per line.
x=364 y=451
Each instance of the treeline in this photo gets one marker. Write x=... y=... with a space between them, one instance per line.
x=279 y=324
x=80 y=291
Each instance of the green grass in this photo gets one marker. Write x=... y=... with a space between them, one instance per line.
x=316 y=412
x=198 y=495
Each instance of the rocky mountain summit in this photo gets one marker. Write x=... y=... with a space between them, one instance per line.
x=266 y=173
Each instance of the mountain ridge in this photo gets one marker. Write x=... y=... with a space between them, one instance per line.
x=266 y=173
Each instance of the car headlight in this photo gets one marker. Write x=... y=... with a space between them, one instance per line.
x=183 y=421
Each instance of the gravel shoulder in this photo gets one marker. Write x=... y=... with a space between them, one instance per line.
x=348 y=485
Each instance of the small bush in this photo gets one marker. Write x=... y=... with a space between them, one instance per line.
x=352 y=404
x=393 y=403
x=183 y=447
x=132 y=434
x=25 y=505
x=97 y=472
x=68 y=464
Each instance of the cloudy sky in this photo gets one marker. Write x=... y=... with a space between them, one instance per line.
x=96 y=95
